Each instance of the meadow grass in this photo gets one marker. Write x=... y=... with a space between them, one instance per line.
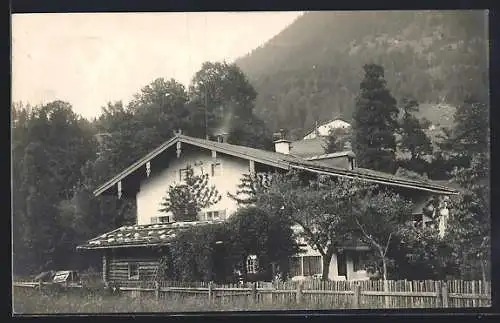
x=28 y=301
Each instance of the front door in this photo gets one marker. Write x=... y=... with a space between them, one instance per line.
x=342 y=264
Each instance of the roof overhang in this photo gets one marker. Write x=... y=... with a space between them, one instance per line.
x=332 y=155
x=150 y=245
x=141 y=236
x=283 y=162
x=352 y=174
x=190 y=141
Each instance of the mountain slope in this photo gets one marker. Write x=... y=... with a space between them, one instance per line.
x=312 y=69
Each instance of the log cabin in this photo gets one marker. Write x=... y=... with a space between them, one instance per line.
x=132 y=252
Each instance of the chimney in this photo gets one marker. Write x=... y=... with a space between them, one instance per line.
x=282 y=146
x=221 y=137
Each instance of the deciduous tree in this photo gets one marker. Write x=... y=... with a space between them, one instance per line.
x=317 y=207
x=469 y=223
x=378 y=215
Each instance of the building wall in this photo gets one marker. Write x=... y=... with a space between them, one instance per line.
x=153 y=189
x=333 y=268
x=116 y=263
x=118 y=268
x=324 y=129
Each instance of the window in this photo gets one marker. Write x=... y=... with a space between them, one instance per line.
x=312 y=265
x=252 y=264
x=215 y=215
x=164 y=219
x=183 y=174
x=359 y=260
x=133 y=271
x=216 y=169
x=295 y=266
x=160 y=219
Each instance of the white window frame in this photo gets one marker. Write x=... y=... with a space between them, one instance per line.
x=158 y=219
x=252 y=264
x=164 y=217
x=182 y=178
x=210 y=215
x=134 y=277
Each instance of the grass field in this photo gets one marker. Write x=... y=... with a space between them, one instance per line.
x=27 y=301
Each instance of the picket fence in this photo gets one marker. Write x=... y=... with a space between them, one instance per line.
x=329 y=294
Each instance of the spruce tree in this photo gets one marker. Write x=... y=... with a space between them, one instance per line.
x=375 y=122
x=187 y=199
x=414 y=141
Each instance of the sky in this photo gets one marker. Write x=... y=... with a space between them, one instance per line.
x=89 y=59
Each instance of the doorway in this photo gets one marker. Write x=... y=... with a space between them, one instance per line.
x=342 y=264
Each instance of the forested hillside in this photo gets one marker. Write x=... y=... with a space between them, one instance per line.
x=312 y=69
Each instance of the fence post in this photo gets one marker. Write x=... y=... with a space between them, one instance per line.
x=386 y=291
x=444 y=295
x=298 y=297
x=210 y=292
x=254 y=292
x=439 y=290
x=357 y=295
x=157 y=290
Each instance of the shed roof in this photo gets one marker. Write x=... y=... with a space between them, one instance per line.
x=147 y=235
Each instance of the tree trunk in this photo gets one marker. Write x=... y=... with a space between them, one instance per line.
x=327 y=258
x=384 y=267
x=386 y=284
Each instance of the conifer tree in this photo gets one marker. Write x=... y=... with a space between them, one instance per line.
x=187 y=199
x=375 y=122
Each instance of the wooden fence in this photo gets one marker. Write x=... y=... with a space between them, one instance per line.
x=327 y=294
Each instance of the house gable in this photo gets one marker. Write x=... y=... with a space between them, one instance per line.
x=224 y=172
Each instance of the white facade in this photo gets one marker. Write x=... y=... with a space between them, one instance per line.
x=154 y=188
x=324 y=129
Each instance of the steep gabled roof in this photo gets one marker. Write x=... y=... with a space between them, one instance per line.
x=308 y=147
x=282 y=161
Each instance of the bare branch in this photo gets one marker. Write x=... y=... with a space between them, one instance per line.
x=387 y=245
x=368 y=236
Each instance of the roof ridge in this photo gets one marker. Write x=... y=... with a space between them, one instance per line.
x=272 y=158
x=322 y=124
